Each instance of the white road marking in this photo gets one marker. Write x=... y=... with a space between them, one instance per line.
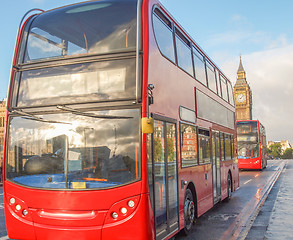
x=243 y=183
x=4 y=238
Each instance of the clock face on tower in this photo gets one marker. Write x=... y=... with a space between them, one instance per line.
x=240 y=98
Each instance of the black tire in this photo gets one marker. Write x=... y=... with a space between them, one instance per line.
x=189 y=212
x=229 y=188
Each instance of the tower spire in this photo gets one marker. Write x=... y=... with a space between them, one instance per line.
x=240 y=68
x=242 y=95
x=241 y=73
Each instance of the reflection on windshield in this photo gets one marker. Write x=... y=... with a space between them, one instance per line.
x=247 y=140
x=109 y=80
x=247 y=128
x=92 y=27
x=88 y=153
x=248 y=150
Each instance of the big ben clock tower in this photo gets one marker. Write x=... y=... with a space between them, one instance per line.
x=242 y=96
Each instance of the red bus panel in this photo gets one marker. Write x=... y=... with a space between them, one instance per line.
x=78 y=163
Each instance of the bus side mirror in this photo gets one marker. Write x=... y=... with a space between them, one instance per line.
x=147 y=125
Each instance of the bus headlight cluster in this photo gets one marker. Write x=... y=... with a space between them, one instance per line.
x=24 y=212
x=18 y=206
x=122 y=209
x=114 y=215
x=130 y=203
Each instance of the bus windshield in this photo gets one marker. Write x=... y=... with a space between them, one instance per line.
x=85 y=150
x=93 y=27
x=104 y=30
x=247 y=138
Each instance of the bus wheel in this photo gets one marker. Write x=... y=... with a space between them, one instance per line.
x=189 y=211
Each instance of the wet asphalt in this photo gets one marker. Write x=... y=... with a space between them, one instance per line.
x=275 y=219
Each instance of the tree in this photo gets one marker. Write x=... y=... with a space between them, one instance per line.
x=288 y=154
x=170 y=150
x=158 y=151
x=275 y=150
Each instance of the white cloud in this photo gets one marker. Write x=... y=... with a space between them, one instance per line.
x=238 y=19
x=280 y=41
x=270 y=75
x=241 y=41
x=229 y=37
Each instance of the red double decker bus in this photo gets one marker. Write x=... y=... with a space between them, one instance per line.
x=118 y=126
x=251 y=141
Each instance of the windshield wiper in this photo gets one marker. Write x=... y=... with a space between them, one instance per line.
x=77 y=112
x=33 y=117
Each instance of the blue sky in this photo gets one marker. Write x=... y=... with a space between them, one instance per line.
x=261 y=31
x=234 y=27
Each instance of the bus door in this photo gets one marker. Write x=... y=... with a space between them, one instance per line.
x=216 y=166
x=163 y=177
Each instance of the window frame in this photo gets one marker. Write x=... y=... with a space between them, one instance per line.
x=224 y=81
x=222 y=145
x=223 y=141
x=230 y=93
x=199 y=129
x=170 y=26
x=197 y=56
x=200 y=58
x=210 y=67
x=196 y=163
x=29 y=25
x=181 y=37
x=228 y=137
x=217 y=72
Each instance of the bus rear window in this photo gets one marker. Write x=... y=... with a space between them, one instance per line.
x=89 y=28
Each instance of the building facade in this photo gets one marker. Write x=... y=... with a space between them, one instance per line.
x=242 y=95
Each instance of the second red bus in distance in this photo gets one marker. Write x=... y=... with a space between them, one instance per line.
x=251 y=140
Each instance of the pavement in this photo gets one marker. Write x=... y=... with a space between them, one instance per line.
x=2 y=223
x=275 y=218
